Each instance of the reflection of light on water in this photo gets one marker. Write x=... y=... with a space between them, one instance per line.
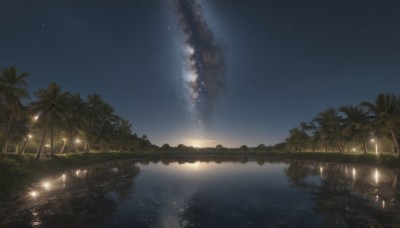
x=321 y=170
x=193 y=166
x=36 y=222
x=376 y=176
x=354 y=173
x=115 y=170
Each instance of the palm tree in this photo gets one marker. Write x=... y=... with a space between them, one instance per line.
x=357 y=123
x=297 y=140
x=75 y=118
x=13 y=88
x=51 y=104
x=99 y=114
x=329 y=126
x=386 y=115
x=123 y=132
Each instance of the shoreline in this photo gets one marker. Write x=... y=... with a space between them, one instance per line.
x=17 y=174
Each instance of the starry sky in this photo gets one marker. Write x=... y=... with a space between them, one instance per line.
x=284 y=60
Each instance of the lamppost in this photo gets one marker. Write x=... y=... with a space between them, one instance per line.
x=376 y=145
x=77 y=142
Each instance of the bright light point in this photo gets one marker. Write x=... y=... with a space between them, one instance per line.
x=78 y=141
x=46 y=185
x=47 y=145
x=77 y=172
x=383 y=204
x=64 y=139
x=64 y=177
x=354 y=149
x=321 y=169
x=354 y=173
x=30 y=136
x=35 y=117
x=34 y=194
x=372 y=140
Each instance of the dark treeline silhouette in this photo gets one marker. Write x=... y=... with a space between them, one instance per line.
x=367 y=127
x=56 y=121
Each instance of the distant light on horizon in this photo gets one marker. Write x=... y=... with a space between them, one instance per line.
x=201 y=143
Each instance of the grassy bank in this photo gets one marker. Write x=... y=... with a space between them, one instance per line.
x=16 y=173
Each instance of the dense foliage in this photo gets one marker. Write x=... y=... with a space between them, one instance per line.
x=367 y=127
x=57 y=121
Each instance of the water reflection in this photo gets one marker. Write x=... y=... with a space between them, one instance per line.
x=212 y=192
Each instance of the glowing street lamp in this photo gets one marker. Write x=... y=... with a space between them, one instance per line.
x=34 y=194
x=46 y=185
x=376 y=145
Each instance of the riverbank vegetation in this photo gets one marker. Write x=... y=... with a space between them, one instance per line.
x=59 y=122
x=55 y=129
x=368 y=127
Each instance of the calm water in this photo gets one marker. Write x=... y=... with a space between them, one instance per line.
x=211 y=192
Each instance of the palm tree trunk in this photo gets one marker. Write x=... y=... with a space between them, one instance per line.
x=39 y=153
x=63 y=147
x=394 y=181
x=68 y=145
x=396 y=141
x=6 y=147
x=88 y=146
x=364 y=145
x=3 y=145
x=51 y=134
x=339 y=145
x=324 y=145
x=22 y=152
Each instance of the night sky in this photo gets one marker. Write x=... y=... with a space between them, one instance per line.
x=277 y=62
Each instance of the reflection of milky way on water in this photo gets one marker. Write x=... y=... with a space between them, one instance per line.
x=211 y=192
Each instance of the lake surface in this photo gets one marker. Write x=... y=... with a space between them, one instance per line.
x=211 y=192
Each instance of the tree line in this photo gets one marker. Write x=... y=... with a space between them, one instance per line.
x=57 y=121
x=367 y=127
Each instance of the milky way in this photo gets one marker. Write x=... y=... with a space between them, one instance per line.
x=204 y=68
